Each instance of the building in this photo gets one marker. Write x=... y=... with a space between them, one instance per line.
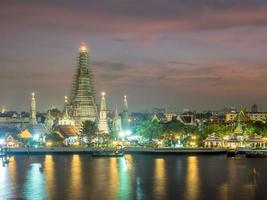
x=103 y=124
x=125 y=115
x=259 y=116
x=33 y=110
x=82 y=103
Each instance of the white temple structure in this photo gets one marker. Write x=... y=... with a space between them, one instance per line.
x=103 y=124
x=33 y=110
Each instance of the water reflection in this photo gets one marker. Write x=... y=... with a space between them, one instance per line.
x=34 y=187
x=133 y=177
x=75 y=177
x=5 y=185
x=12 y=169
x=160 y=179
x=124 y=180
x=192 y=178
x=113 y=175
x=49 y=170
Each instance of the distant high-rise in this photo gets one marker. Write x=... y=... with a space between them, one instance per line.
x=125 y=115
x=103 y=124
x=33 y=110
x=82 y=102
x=254 y=108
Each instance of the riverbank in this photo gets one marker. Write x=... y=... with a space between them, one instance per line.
x=128 y=150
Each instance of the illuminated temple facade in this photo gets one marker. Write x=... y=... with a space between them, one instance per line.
x=82 y=105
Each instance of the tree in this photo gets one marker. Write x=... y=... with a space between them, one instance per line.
x=89 y=128
x=54 y=137
x=150 y=129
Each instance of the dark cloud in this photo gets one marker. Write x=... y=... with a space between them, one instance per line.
x=171 y=49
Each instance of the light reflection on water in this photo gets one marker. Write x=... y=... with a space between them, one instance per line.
x=192 y=178
x=34 y=186
x=75 y=177
x=132 y=177
x=160 y=179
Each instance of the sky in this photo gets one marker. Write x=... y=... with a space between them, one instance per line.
x=201 y=55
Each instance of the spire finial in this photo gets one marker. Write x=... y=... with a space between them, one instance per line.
x=83 y=47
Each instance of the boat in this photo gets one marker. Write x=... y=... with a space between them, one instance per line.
x=231 y=153
x=256 y=154
x=110 y=152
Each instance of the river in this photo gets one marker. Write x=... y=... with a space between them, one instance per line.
x=133 y=177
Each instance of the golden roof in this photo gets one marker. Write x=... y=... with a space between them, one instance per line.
x=25 y=134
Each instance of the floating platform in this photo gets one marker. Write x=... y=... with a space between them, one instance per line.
x=231 y=153
x=107 y=154
x=256 y=154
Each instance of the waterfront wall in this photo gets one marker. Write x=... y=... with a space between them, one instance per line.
x=128 y=150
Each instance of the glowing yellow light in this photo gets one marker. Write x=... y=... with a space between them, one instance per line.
x=33 y=94
x=103 y=93
x=49 y=144
x=194 y=137
x=83 y=48
x=192 y=143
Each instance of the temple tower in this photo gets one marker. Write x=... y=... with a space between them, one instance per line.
x=125 y=115
x=82 y=102
x=116 y=126
x=103 y=124
x=33 y=110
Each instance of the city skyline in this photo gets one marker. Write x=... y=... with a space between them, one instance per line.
x=202 y=56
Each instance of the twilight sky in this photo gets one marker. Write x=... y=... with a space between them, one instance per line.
x=177 y=54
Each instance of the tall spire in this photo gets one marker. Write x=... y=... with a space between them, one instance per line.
x=33 y=110
x=82 y=102
x=103 y=124
x=116 y=125
x=65 y=111
x=125 y=103
x=125 y=114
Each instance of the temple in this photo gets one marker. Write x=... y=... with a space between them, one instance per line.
x=33 y=110
x=125 y=115
x=82 y=103
x=103 y=124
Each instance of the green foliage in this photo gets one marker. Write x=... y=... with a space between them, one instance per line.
x=256 y=127
x=54 y=137
x=150 y=129
x=173 y=126
x=89 y=128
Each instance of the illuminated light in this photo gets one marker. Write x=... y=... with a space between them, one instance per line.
x=66 y=99
x=2 y=141
x=128 y=132
x=33 y=94
x=10 y=144
x=194 y=137
x=83 y=48
x=121 y=134
x=36 y=137
x=76 y=143
x=225 y=137
x=192 y=143
x=49 y=144
x=129 y=120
